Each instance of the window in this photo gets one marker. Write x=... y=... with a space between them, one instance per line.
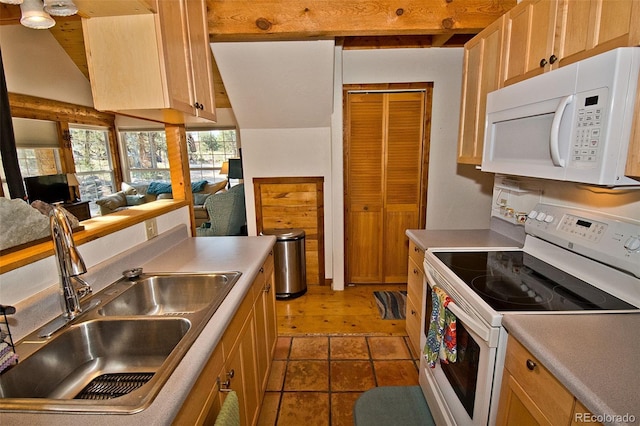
x=38 y=161
x=208 y=149
x=147 y=158
x=91 y=155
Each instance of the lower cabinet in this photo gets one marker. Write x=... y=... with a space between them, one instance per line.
x=531 y=395
x=242 y=360
x=414 y=296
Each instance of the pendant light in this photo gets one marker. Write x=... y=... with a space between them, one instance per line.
x=60 y=7
x=33 y=16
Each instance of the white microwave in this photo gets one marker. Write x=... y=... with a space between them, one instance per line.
x=572 y=124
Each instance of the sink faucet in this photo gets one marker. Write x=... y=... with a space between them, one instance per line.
x=70 y=264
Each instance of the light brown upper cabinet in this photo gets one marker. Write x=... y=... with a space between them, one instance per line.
x=155 y=66
x=385 y=168
x=482 y=65
x=541 y=35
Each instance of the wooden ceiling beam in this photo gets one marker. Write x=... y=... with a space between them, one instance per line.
x=248 y=20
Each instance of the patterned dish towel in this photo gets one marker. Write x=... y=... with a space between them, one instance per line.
x=441 y=337
x=230 y=412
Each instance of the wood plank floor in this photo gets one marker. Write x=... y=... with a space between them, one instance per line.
x=327 y=312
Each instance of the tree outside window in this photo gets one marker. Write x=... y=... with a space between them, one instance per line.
x=147 y=158
x=92 y=159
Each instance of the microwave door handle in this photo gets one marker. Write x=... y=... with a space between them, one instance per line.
x=554 y=139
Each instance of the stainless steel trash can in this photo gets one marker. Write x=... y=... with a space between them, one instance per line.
x=289 y=262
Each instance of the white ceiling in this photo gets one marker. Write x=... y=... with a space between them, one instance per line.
x=281 y=84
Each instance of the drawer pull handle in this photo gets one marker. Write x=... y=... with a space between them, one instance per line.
x=531 y=365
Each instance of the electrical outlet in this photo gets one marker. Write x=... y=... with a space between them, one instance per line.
x=503 y=201
x=151 y=228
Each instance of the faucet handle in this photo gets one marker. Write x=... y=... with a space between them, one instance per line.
x=82 y=288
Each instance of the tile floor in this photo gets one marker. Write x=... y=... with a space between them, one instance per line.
x=315 y=380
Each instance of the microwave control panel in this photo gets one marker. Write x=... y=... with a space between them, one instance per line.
x=586 y=149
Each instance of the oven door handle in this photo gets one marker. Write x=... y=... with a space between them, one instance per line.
x=470 y=321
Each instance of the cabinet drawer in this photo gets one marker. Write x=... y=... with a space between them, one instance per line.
x=412 y=325
x=415 y=280
x=544 y=390
x=416 y=253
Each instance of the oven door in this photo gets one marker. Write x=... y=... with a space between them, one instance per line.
x=459 y=393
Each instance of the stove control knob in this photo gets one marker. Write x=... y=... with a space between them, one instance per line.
x=632 y=244
x=549 y=218
x=532 y=214
x=540 y=216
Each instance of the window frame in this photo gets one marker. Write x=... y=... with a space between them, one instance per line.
x=127 y=169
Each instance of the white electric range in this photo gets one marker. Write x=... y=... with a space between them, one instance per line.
x=573 y=262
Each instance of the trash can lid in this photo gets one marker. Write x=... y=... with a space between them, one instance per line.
x=285 y=234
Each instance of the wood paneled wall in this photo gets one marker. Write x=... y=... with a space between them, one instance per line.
x=295 y=202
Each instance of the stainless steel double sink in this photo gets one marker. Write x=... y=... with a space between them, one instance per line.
x=116 y=356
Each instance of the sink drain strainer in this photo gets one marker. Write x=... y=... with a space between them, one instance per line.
x=109 y=386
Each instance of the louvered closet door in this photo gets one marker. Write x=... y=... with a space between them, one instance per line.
x=383 y=173
x=364 y=180
x=403 y=167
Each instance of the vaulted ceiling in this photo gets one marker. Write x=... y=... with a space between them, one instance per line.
x=357 y=24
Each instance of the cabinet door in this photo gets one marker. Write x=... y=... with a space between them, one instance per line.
x=633 y=158
x=587 y=28
x=617 y=24
x=530 y=29
x=414 y=302
x=203 y=402
x=241 y=372
x=201 y=61
x=576 y=29
x=173 y=29
x=482 y=74
x=528 y=386
x=265 y=321
x=516 y=408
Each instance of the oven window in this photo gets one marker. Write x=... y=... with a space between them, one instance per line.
x=463 y=374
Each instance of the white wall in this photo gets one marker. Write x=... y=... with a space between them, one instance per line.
x=35 y=64
x=453 y=190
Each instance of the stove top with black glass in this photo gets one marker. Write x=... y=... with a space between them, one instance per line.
x=516 y=281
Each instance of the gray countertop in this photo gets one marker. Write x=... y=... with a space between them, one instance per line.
x=595 y=356
x=426 y=239
x=204 y=254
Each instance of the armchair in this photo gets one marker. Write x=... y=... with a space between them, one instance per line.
x=227 y=213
